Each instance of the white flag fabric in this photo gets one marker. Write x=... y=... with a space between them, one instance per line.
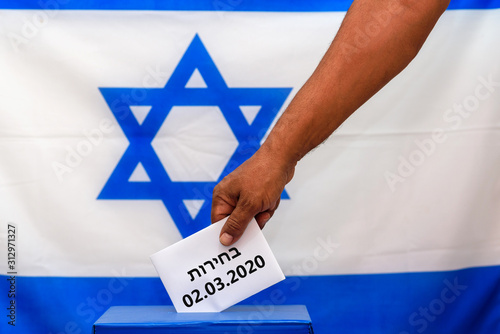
x=118 y=119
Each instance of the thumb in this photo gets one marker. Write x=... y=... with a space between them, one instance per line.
x=235 y=225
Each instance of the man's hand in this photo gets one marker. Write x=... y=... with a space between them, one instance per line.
x=252 y=190
x=346 y=77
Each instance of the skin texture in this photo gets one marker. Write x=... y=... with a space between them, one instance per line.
x=375 y=42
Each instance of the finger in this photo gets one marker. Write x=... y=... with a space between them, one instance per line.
x=220 y=209
x=236 y=224
x=263 y=217
x=222 y=206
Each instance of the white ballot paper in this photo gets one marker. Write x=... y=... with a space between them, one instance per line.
x=202 y=275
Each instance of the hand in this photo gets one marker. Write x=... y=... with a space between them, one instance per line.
x=252 y=190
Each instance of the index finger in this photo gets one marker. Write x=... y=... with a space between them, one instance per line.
x=237 y=223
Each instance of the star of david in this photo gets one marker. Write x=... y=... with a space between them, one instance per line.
x=175 y=93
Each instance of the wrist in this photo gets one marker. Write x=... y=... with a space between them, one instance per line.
x=278 y=156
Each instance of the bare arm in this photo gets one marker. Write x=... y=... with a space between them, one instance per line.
x=348 y=75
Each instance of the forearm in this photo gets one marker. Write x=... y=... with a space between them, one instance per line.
x=347 y=76
x=350 y=73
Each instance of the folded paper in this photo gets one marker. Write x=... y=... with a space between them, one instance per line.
x=202 y=275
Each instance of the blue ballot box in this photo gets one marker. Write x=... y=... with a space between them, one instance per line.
x=284 y=319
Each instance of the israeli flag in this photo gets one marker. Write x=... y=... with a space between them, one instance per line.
x=119 y=118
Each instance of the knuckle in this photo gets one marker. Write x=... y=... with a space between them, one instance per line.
x=277 y=204
x=233 y=225
x=250 y=205
x=218 y=189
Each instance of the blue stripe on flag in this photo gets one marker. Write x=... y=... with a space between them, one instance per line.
x=463 y=301
x=211 y=5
